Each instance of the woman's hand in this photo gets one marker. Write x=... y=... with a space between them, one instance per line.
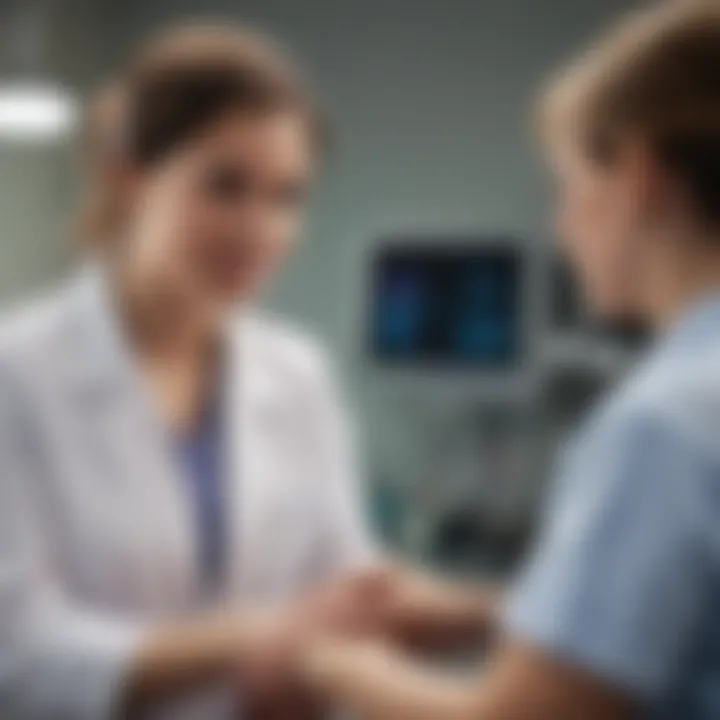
x=273 y=643
x=202 y=651
x=259 y=649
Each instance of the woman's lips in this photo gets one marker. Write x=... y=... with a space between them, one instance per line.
x=230 y=266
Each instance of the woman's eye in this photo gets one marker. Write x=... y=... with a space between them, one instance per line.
x=225 y=183
x=230 y=185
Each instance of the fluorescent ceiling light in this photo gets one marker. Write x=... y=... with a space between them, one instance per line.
x=35 y=112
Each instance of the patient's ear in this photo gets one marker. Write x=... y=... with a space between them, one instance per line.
x=647 y=182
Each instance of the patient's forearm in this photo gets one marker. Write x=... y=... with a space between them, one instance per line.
x=412 y=696
x=381 y=686
x=519 y=683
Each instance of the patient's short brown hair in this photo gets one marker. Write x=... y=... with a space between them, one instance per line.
x=656 y=76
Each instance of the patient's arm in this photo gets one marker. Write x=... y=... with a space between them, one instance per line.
x=520 y=683
x=421 y=611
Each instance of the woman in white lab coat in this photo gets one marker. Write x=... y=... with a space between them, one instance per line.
x=171 y=459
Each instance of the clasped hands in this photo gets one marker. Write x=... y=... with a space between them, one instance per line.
x=289 y=654
x=280 y=645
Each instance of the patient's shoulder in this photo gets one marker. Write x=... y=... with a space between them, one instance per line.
x=682 y=397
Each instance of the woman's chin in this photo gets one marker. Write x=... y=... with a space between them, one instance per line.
x=230 y=293
x=613 y=312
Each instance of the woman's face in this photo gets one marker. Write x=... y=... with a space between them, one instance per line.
x=218 y=215
x=599 y=221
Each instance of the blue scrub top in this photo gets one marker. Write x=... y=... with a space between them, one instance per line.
x=625 y=581
x=201 y=456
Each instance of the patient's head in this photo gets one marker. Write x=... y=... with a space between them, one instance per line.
x=632 y=131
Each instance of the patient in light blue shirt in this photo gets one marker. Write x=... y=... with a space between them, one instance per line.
x=617 y=614
x=625 y=581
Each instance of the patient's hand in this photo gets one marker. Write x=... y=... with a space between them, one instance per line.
x=417 y=609
x=358 y=605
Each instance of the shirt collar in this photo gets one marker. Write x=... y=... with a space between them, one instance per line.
x=697 y=325
x=102 y=352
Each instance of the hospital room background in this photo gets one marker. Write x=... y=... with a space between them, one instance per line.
x=428 y=268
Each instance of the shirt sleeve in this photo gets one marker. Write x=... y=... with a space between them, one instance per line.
x=619 y=580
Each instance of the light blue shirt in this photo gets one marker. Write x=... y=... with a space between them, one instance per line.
x=625 y=580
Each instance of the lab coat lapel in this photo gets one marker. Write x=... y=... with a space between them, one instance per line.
x=124 y=428
x=253 y=444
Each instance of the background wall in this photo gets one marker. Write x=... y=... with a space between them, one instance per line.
x=430 y=100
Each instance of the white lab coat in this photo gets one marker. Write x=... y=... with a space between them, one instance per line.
x=97 y=540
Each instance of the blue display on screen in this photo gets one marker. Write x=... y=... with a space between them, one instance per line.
x=457 y=305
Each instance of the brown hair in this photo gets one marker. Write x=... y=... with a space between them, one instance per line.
x=173 y=89
x=656 y=76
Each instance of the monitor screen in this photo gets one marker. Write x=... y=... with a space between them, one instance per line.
x=448 y=305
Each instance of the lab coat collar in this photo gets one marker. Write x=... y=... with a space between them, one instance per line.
x=251 y=400
x=103 y=364
x=102 y=357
